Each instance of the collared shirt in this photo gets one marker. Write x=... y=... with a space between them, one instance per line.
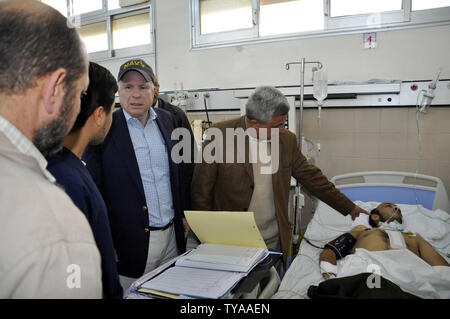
x=25 y=146
x=43 y=234
x=153 y=161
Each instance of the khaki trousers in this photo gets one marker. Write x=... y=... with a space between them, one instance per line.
x=161 y=248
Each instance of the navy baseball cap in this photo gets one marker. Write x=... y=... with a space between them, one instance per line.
x=137 y=65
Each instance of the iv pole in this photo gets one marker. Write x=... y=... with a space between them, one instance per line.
x=297 y=216
x=302 y=92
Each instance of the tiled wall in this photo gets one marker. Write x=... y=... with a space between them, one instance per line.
x=381 y=139
x=367 y=139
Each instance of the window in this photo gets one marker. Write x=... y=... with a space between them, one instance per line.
x=290 y=16
x=429 y=4
x=60 y=5
x=131 y=31
x=82 y=6
x=345 y=14
x=352 y=7
x=219 y=15
x=95 y=36
x=108 y=30
x=223 y=22
x=113 y=4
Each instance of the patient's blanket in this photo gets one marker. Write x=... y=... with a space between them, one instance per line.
x=357 y=287
x=403 y=268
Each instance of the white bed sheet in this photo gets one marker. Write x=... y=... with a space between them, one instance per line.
x=327 y=224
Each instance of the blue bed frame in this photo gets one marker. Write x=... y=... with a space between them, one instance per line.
x=398 y=195
x=382 y=186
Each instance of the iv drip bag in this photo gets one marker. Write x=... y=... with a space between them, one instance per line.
x=320 y=85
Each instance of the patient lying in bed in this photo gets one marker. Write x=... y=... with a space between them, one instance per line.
x=386 y=212
x=375 y=239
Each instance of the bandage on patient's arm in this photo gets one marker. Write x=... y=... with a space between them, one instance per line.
x=327 y=264
x=329 y=269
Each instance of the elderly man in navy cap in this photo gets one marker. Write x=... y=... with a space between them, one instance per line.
x=138 y=179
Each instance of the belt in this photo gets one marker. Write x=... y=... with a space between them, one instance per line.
x=161 y=228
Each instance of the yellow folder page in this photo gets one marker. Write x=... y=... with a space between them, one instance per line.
x=158 y=293
x=225 y=228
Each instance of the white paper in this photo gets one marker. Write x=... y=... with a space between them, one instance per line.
x=194 y=282
x=223 y=257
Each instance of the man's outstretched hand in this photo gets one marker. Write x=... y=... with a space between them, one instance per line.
x=358 y=210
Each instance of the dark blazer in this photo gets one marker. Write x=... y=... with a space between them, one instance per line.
x=181 y=120
x=114 y=167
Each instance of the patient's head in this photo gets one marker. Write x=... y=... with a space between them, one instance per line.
x=374 y=218
x=385 y=212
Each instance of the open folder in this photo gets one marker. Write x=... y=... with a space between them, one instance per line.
x=225 y=228
x=231 y=246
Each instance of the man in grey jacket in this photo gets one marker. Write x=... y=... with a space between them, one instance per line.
x=47 y=249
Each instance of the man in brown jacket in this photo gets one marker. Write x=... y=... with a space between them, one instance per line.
x=242 y=184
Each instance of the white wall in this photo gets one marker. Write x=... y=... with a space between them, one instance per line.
x=411 y=54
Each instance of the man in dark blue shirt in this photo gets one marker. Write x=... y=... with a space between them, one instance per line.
x=90 y=128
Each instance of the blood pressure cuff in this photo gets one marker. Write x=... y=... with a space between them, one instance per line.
x=342 y=245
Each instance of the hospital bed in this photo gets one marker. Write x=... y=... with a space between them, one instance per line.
x=425 y=207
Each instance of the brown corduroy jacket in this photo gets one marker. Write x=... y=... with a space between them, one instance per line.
x=229 y=186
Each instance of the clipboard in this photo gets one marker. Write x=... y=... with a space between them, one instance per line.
x=225 y=228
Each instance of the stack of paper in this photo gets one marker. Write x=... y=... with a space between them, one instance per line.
x=194 y=282
x=223 y=257
x=232 y=247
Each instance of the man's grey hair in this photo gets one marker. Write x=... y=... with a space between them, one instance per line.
x=266 y=103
